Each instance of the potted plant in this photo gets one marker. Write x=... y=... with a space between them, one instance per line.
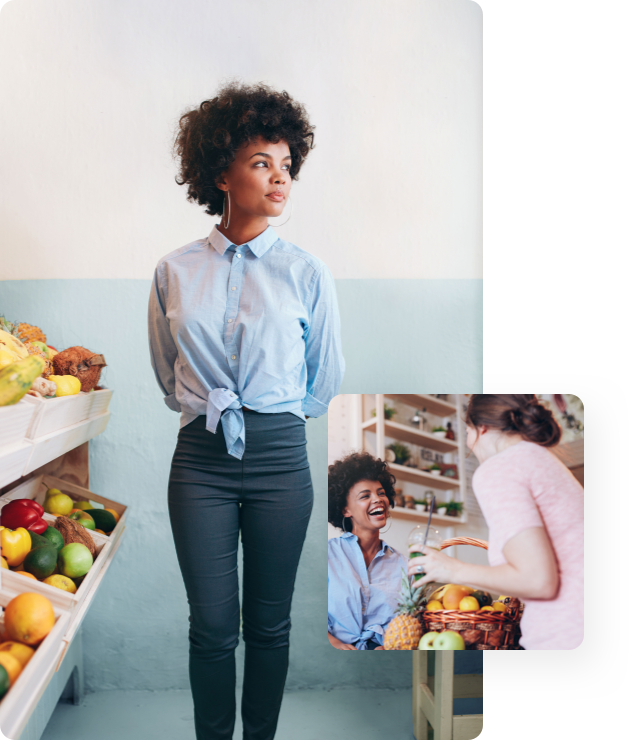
x=454 y=508
x=420 y=504
x=442 y=509
x=435 y=469
x=401 y=451
x=389 y=412
x=439 y=432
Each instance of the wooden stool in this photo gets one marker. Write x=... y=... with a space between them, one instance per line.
x=433 y=697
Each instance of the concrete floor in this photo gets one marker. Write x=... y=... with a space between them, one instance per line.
x=345 y=714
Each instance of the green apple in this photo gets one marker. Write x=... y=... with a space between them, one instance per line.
x=427 y=640
x=75 y=560
x=449 y=640
x=84 y=519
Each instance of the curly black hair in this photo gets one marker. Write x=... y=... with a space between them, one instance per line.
x=345 y=473
x=210 y=135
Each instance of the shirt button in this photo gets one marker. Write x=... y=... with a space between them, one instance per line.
x=229 y=321
x=233 y=357
x=239 y=256
x=234 y=288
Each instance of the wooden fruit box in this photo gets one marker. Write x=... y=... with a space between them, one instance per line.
x=18 y=703
x=15 y=421
x=55 y=444
x=53 y=414
x=13 y=461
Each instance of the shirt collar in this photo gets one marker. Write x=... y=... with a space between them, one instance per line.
x=351 y=536
x=258 y=246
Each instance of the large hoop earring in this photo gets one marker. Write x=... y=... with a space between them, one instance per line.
x=343 y=523
x=275 y=226
x=384 y=531
x=229 y=210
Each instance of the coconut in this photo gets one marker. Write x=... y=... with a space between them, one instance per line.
x=72 y=531
x=81 y=363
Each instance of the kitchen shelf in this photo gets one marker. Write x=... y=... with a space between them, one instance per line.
x=400 y=512
x=414 y=475
x=404 y=433
x=419 y=401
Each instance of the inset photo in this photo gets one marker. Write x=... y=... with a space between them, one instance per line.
x=455 y=522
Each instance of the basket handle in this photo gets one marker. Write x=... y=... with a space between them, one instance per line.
x=464 y=541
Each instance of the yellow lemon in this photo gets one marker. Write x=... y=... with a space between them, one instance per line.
x=469 y=604
x=67 y=385
x=502 y=598
x=62 y=582
x=434 y=606
x=499 y=606
x=59 y=504
x=487 y=609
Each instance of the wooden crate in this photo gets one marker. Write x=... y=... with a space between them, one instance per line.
x=18 y=703
x=15 y=421
x=13 y=461
x=53 y=414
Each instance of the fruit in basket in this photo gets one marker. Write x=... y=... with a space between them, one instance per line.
x=41 y=561
x=469 y=604
x=434 y=606
x=16 y=544
x=105 y=520
x=28 y=618
x=83 y=505
x=452 y=596
x=13 y=345
x=52 y=492
x=114 y=513
x=67 y=385
x=404 y=630
x=35 y=351
x=483 y=597
x=73 y=532
x=81 y=363
x=59 y=504
x=62 y=582
x=438 y=594
x=29 y=333
x=54 y=537
x=487 y=609
x=42 y=346
x=4 y=681
x=22 y=653
x=26 y=574
x=75 y=560
x=12 y=666
x=447 y=640
x=499 y=606
x=84 y=519
x=16 y=379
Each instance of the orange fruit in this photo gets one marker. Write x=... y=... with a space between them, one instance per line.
x=453 y=595
x=100 y=531
x=499 y=606
x=12 y=666
x=23 y=653
x=3 y=562
x=115 y=514
x=28 y=618
x=24 y=573
x=469 y=604
x=434 y=606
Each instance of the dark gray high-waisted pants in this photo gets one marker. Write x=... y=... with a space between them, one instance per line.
x=267 y=498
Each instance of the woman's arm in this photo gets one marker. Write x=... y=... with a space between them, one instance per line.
x=335 y=642
x=324 y=361
x=161 y=344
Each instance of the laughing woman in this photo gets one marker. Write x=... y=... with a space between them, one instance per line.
x=364 y=573
x=533 y=506
x=245 y=343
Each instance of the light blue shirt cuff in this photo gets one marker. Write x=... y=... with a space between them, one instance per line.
x=313 y=408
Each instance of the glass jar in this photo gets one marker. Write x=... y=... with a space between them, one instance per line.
x=416 y=537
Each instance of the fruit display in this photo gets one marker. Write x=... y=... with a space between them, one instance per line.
x=446 y=640
x=404 y=630
x=29 y=365
x=81 y=513
x=28 y=619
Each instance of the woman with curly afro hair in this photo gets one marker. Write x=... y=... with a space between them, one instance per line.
x=245 y=344
x=364 y=573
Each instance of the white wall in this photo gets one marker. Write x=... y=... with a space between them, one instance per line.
x=91 y=93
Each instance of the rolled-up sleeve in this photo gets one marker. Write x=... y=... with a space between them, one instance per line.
x=325 y=365
x=161 y=344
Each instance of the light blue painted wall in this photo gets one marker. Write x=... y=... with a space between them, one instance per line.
x=135 y=635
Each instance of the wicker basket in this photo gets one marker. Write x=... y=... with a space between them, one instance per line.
x=479 y=630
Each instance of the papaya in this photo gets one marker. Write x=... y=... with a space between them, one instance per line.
x=104 y=520
x=17 y=379
x=41 y=562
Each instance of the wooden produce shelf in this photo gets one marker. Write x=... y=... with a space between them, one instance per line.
x=419 y=401
x=422 y=516
x=404 y=433
x=413 y=475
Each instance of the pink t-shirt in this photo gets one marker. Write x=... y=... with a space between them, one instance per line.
x=527 y=486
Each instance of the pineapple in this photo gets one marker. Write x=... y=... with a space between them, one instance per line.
x=29 y=333
x=33 y=349
x=404 y=630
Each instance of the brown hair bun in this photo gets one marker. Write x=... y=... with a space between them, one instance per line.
x=519 y=414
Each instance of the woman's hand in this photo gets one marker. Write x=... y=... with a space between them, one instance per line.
x=380 y=647
x=437 y=566
x=335 y=642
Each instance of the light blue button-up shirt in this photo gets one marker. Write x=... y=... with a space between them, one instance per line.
x=362 y=601
x=254 y=325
